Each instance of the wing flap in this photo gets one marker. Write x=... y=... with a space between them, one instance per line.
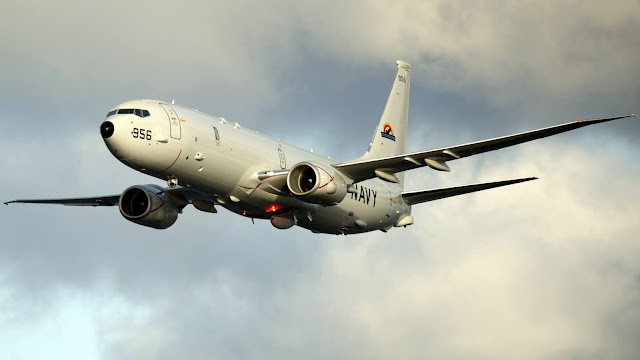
x=436 y=159
x=417 y=197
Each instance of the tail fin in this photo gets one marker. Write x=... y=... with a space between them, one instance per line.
x=390 y=137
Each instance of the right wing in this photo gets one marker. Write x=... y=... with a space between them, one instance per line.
x=436 y=159
x=417 y=197
x=111 y=200
x=178 y=193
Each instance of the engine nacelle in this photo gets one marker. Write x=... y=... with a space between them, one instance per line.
x=148 y=205
x=316 y=183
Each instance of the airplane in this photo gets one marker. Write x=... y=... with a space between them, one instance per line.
x=208 y=161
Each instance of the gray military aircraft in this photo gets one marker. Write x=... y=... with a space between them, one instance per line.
x=208 y=161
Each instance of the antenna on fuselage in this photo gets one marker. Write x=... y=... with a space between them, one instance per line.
x=173 y=101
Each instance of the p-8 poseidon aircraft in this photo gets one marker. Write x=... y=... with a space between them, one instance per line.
x=209 y=162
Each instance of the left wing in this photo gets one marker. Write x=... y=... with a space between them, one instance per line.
x=417 y=197
x=436 y=159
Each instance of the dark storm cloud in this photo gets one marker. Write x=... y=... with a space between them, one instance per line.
x=546 y=269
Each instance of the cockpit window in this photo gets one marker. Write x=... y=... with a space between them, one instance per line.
x=137 y=112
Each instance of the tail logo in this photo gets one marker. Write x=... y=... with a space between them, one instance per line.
x=387 y=132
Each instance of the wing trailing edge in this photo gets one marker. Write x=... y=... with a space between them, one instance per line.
x=417 y=197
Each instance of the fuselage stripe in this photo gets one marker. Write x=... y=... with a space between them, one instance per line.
x=174 y=161
x=255 y=188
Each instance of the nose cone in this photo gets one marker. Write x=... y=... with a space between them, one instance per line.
x=106 y=129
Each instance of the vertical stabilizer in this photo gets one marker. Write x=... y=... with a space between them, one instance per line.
x=390 y=136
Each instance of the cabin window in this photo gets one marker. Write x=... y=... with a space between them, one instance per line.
x=215 y=130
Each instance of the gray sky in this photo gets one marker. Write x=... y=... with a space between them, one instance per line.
x=543 y=270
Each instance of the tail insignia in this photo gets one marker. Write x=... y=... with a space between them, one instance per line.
x=387 y=132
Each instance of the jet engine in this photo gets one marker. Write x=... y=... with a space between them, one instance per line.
x=148 y=205
x=316 y=183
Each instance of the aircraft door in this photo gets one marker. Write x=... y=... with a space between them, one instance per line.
x=174 y=121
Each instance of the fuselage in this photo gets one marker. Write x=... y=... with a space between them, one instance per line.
x=222 y=160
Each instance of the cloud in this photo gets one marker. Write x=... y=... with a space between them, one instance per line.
x=122 y=50
x=517 y=55
x=546 y=269
x=497 y=275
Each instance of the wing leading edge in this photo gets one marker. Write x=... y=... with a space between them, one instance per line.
x=417 y=197
x=436 y=159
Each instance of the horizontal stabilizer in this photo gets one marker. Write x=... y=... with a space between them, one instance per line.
x=417 y=197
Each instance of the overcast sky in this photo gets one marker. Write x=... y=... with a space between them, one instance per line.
x=543 y=270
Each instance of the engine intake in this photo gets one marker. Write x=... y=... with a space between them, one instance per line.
x=148 y=205
x=316 y=183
